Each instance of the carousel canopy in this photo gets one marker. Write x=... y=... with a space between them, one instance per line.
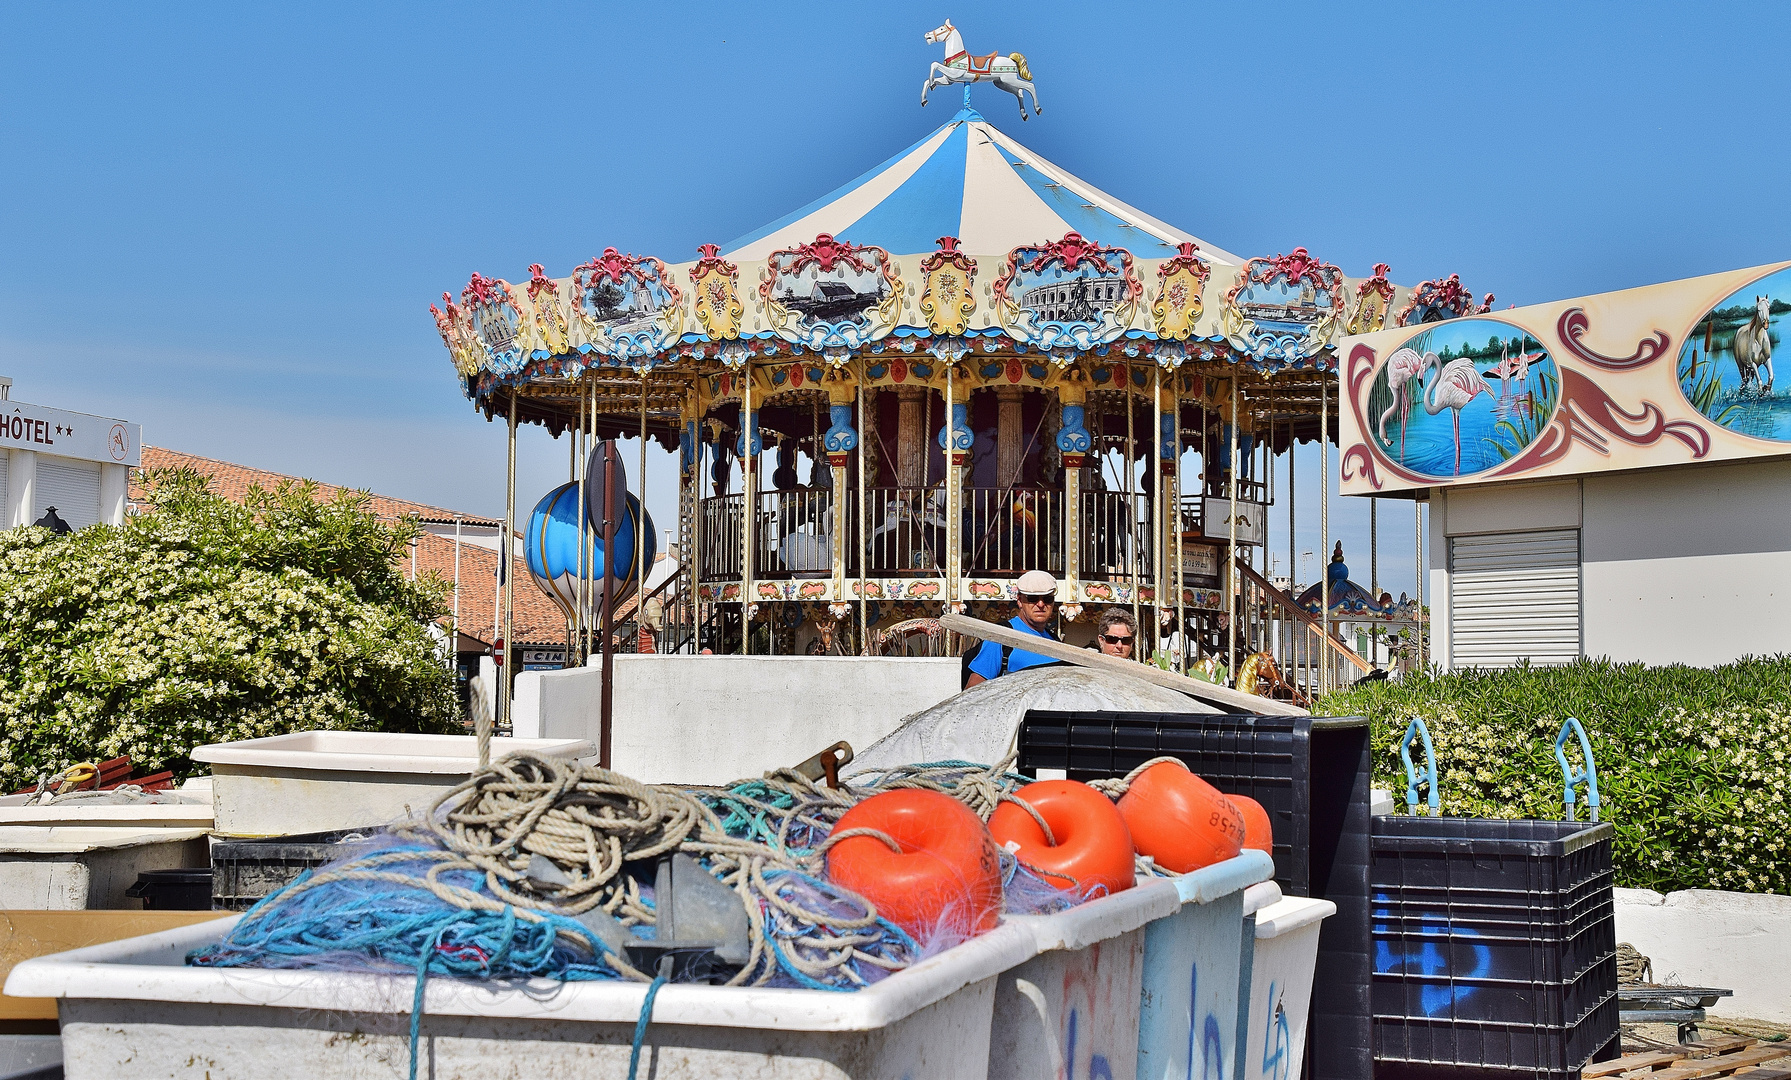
x=970 y=181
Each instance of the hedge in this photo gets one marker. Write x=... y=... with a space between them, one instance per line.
x=1692 y=762
x=206 y=620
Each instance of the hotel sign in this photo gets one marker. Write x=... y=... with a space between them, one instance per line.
x=69 y=434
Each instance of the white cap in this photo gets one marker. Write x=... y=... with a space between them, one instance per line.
x=1036 y=583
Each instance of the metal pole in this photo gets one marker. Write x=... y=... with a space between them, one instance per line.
x=1132 y=505
x=864 y=558
x=1159 y=562
x=1175 y=512
x=640 y=531
x=1231 y=547
x=508 y=569
x=611 y=481
x=953 y=523
x=748 y=508
x=568 y=660
x=1418 y=616
x=1324 y=525
x=1374 y=571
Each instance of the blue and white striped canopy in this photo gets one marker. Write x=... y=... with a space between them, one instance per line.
x=970 y=181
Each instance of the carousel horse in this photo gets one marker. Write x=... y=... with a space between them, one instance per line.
x=1257 y=674
x=900 y=636
x=1009 y=73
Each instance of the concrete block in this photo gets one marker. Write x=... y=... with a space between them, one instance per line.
x=1702 y=937
x=714 y=719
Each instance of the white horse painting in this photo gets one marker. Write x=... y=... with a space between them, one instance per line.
x=1753 y=346
x=1008 y=73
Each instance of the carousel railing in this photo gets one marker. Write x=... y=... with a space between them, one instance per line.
x=1269 y=620
x=907 y=530
x=1009 y=531
x=1116 y=537
x=719 y=546
x=793 y=535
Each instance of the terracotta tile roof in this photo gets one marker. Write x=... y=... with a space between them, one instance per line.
x=233 y=482
x=537 y=621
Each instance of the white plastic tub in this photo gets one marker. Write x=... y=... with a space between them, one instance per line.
x=68 y=868
x=185 y=811
x=1192 y=962
x=132 y=1008
x=1278 y=988
x=1111 y=977
x=312 y=781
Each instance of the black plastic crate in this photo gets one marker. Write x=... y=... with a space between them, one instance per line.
x=1494 y=944
x=245 y=871
x=1311 y=775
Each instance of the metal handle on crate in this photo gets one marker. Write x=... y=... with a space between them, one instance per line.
x=1417 y=732
x=1572 y=778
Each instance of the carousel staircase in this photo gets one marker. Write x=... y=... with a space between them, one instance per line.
x=1307 y=660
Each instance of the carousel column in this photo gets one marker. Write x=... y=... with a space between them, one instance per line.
x=1010 y=445
x=1073 y=444
x=690 y=475
x=911 y=437
x=748 y=447
x=1172 y=497
x=839 y=442
x=956 y=440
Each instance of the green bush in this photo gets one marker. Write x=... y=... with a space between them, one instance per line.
x=207 y=620
x=1692 y=763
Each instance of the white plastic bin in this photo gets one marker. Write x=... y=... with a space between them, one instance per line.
x=1380 y=801
x=1113 y=973
x=71 y=867
x=1192 y=963
x=314 y=781
x=1278 y=988
x=132 y=1008
x=184 y=810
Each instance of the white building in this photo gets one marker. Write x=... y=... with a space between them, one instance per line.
x=1641 y=510
x=78 y=463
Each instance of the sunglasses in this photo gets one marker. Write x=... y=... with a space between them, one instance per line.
x=1111 y=640
x=1037 y=598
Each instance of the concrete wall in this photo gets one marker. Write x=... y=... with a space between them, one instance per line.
x=1686 y=565
x=1737 y=941
x=713 y=719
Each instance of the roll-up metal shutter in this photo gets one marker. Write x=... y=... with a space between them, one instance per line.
x=72 y=487
x=1514 y=596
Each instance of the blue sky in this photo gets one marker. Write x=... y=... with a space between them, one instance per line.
x=227 y=221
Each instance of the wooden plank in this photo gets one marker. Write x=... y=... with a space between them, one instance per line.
x=1631 y=1063
x=26 y=934
x=1767 y=1073
x=1719 y=1044
x=1113 y=665
x=1697 y=1068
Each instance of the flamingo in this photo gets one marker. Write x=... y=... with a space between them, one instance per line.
x=1458 y=384
x=1401 y=367
x=1514 y=367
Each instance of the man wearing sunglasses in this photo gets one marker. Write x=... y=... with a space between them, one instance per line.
x=1037 y=604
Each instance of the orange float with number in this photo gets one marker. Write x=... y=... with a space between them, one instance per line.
x=946 y=879
x=1182 y=822
x=1093 y=850
x=1258 y=833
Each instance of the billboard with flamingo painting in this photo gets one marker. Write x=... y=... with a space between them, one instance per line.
x=1669 y=374
x=1458 y=398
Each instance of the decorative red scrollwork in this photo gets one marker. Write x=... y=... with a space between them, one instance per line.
x=612 y=265
x=709 y=258
x=948 y=253
x=483 y=290
x=1074 y=251
x=1573 y=325
x=539 y=282
x=1587 y=415
x=1184 y=259
x=1433 y=301
x=827 y=251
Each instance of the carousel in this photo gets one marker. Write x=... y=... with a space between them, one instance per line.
x=965 y=364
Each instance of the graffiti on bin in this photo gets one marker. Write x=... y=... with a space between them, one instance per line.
x=1098 y=1068
x=1430 y=960
x=1277 y=1042
x=1212 y=1049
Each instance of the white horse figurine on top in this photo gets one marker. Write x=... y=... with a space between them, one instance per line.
x=1008 y=73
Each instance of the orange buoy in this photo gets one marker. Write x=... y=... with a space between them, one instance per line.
x=947 y=877
x=1258 y=833
x=1093 y=850
x=1179 y=820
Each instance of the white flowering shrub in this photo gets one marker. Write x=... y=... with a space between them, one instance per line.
x=205 y=620
x=1692 y=763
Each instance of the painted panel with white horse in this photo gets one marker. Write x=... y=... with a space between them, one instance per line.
x=1726 y=362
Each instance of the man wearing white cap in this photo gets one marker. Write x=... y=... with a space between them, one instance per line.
x=1037 y=601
